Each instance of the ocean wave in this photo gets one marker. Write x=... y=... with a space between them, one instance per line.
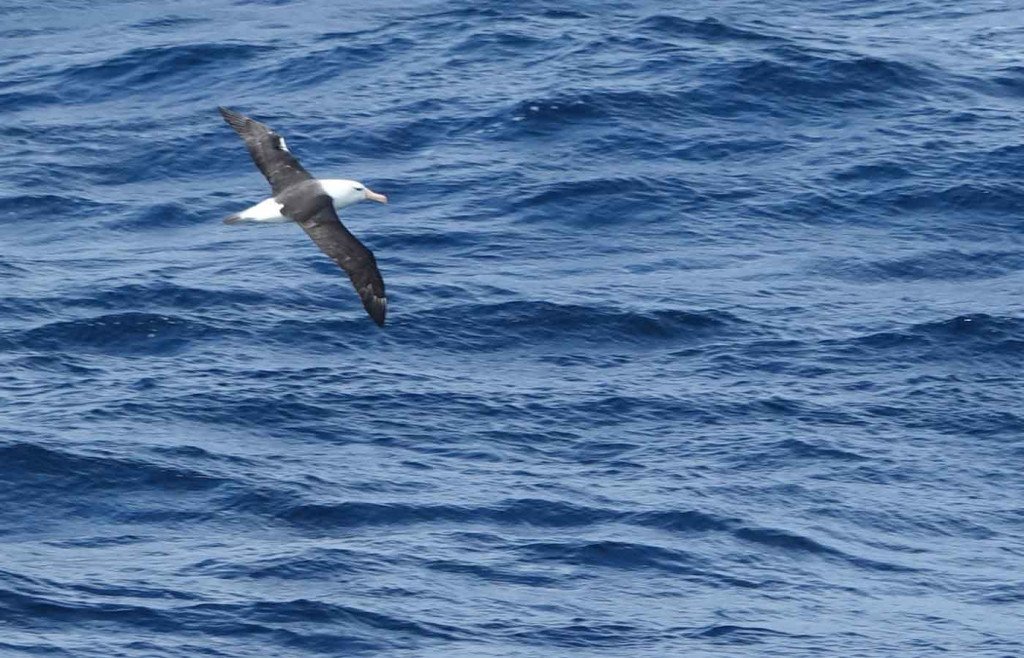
x=161 y=216
x=509 y=575
x=312 y=564
x=120 y=334
x=49 y=207
x=502 y=325
x=964 y=335
x=1006 y=82
x=860 y=81
x=532 y=512
x=612 y=554
x=158 y=69
x=319 y=66
x=872 y=172
x=606 y=192
x=707 y=29
x=49 y=471
x=495 y=43
x=795 y=543
x=166 y=296
x=744 y=634
x=944 y=265
x=976 y=196
x=355 y=627
x=282 y=621
x=17 y=101
x=322 y=517
x=575 y=110
x=681 y=521
x=168 y=23
x=586 y=634
x=820 y=450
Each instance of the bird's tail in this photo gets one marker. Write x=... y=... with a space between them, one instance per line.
x=233 y=219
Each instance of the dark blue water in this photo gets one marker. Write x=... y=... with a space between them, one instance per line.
x=705 y=331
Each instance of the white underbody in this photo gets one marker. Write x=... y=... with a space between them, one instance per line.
x=267 y=211
x=343 y=193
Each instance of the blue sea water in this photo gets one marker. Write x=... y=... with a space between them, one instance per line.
x=705 y=331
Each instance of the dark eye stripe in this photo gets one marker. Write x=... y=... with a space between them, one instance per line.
x=358 y=189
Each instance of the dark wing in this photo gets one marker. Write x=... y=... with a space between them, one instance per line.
x=321 y=223
x=268 y=150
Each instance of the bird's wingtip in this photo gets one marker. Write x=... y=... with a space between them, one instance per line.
x=377 y=308
x=235 y=119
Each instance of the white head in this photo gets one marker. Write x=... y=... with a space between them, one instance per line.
x=347 y=192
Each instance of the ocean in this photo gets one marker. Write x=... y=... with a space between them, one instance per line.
x=705 y=331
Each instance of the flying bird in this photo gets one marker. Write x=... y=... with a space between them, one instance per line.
x=312 y=204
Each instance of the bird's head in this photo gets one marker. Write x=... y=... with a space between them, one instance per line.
x=348 y=192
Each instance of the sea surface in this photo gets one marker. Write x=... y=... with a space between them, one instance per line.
x=705 y=332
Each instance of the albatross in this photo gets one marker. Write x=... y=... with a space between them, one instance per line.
x=312 y=204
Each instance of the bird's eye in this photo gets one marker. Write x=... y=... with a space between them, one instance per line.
x=358 y=189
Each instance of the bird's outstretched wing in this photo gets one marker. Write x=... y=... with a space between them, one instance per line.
x=268 y=150
x=320 y=222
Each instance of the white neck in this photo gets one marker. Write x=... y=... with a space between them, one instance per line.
x=343 y=191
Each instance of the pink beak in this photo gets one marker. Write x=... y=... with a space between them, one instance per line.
x=373 y=196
